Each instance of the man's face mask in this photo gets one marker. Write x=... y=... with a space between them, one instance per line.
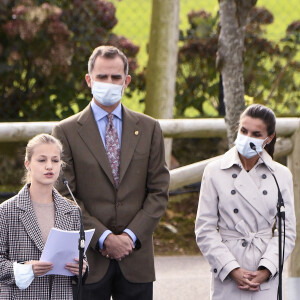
x=107 y=94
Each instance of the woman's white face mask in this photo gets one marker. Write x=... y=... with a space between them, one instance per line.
x=107 y=94
x=242 y=143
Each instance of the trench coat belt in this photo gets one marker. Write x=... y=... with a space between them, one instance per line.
x=242 y=233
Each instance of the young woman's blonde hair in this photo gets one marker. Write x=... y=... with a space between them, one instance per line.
x=39 y=139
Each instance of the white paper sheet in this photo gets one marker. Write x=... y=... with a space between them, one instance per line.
x=62 y=247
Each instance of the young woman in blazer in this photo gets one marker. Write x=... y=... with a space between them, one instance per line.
x=25 y=222
x=237 y=213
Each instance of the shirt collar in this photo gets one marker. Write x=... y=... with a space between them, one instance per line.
x=231 y=158
x=100 y=113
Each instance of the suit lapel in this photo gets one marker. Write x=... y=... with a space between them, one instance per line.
x=28 y=218
x=130 y=135
x=248 y=189
x=88 y=131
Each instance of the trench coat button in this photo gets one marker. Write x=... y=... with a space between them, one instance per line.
x=235 y=210
x=265 y=192
x=233 y=192
x=234 y=175
x=263 y=176
x=215 y=270
x=244 y=244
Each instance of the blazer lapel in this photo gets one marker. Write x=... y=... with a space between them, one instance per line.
x=88 y=131
x=130 y=136
x=28 y=218
x=248 y=189
x=61 y=210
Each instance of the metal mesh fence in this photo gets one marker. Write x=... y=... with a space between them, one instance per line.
x=134 y=18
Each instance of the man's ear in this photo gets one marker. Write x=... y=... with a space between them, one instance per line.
x=127 y=80
x=88 y=80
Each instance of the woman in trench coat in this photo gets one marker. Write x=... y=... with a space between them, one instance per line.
x=236 y=217
x=25 y=222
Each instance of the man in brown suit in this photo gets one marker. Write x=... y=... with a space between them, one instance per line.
x=116 y=169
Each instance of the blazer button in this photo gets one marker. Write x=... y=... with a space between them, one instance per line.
x=234 y=175
x=263 y=176
x=233 y=192
x=215 y=270
x=244 y=243
x=235 y=210
x=265 y=192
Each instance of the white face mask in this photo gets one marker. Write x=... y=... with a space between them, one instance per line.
x=242 y=143
x=107 y=94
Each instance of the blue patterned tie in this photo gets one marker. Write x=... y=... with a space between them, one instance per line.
x=112 y=148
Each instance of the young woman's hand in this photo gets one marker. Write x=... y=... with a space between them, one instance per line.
x=39 y=268
x=74 y=267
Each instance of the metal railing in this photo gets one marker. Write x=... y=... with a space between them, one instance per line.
x=174 y=128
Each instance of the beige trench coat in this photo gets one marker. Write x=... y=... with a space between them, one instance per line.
x=236 y=214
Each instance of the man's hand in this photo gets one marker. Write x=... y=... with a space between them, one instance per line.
x=117 y=246
x=245 y=280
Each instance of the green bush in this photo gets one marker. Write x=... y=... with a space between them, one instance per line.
x=44 y=51
x=271 y=70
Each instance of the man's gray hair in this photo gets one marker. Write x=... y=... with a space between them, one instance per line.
x=107 y=52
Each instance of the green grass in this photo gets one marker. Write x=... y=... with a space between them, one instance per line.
x=284 y=12
x=134 y=19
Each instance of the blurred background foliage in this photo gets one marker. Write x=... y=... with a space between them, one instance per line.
x=271 y=72
x=44 y=49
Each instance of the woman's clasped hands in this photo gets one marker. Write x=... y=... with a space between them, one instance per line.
x=249 y=281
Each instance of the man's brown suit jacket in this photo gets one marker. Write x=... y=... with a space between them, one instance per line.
x=139 y=201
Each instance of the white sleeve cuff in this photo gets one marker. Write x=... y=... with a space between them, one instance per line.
x=269 y=265
x=23 y=275
x=227 y=269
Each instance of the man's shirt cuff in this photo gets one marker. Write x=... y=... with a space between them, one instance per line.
x=131 y=234
x=103 y=237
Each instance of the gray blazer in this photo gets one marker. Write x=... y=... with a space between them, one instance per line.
x=21 y=240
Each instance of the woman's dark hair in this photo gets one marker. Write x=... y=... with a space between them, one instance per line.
x=258 y=111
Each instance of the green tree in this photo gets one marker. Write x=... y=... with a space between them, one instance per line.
x=44 y=51
x=271 y=70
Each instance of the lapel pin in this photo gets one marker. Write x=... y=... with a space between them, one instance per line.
x=136 y=132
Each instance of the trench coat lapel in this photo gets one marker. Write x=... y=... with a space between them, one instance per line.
x=246 y=187
x=131 y=133
x=244 y=184
x=88 y=131
x=28 y=218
